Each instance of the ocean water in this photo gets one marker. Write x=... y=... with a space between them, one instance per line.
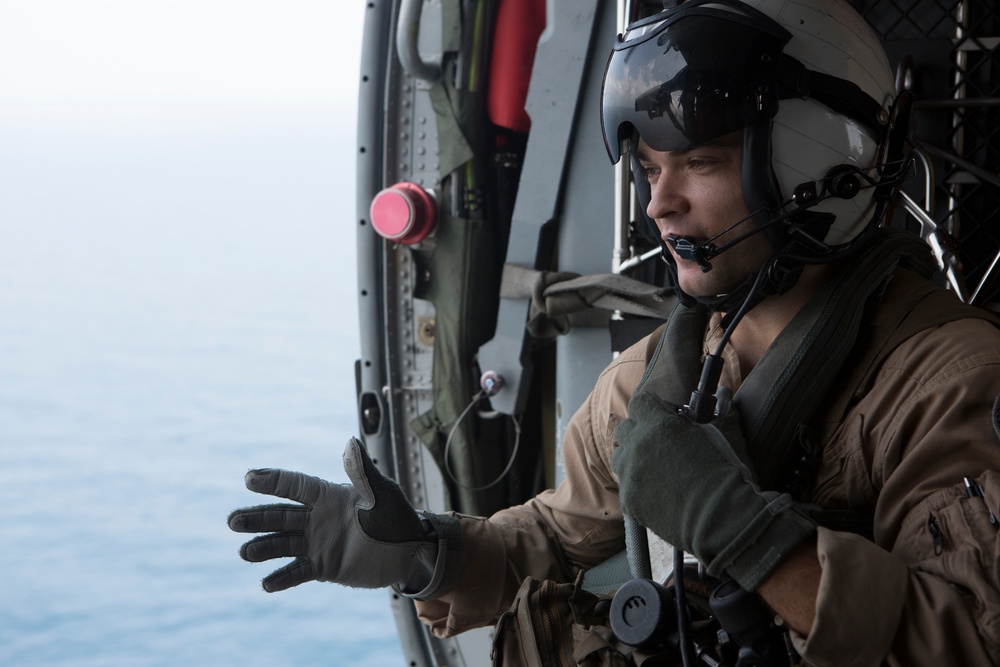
x=174 y=310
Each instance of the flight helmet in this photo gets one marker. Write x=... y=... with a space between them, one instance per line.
x=806 y=81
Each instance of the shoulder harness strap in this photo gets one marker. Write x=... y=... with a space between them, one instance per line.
x=794 y=376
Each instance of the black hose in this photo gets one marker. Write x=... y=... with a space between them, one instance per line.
x=684 y=641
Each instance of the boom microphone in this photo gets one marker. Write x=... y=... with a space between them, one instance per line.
x=692 y=249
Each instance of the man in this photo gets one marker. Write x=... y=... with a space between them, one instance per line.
x=766 y=146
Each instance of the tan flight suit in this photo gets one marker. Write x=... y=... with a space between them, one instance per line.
x=925 y=592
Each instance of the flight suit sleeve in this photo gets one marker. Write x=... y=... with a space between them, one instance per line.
x=559 y=532
x=925 y=592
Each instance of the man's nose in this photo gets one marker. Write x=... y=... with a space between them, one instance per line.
x=666 y=197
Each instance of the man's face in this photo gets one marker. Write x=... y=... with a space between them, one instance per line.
x=698 y=193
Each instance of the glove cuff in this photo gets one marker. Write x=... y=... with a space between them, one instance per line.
x=764 y=543
x=449 y=563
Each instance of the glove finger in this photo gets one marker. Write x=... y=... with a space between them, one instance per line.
x=276 y=545
x=297 y=572
x=296 y=486
x=269 y=518
x=361 y=471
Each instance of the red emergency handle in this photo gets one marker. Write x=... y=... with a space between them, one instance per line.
x=519 y=24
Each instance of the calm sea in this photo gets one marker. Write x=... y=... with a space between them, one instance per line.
x=173 y=311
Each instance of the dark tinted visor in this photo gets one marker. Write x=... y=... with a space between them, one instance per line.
x=690 y=75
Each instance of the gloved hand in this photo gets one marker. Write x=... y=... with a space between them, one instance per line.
x=690 y=484
x=364 y=534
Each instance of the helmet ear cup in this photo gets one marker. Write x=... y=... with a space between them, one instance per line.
x=810 y=140
x=843 y=181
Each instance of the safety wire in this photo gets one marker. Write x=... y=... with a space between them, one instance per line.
x=447 y=446
x=684 y=640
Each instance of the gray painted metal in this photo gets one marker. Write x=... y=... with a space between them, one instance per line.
x=397 y=140
x=371 y=371
x=553 y=100
x=586 y=228
x=407 y=42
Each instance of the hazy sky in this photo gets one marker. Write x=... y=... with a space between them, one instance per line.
x=149 y=115
x=101 y=60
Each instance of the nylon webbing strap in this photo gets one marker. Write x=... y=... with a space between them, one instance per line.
x=673 y=370
x=560 y=299
x=676 y=360
x=795 y=374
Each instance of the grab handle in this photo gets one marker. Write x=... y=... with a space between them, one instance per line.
x=407 y=34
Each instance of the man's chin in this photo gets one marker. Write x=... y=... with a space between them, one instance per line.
x=711 y=284
x=697 y=284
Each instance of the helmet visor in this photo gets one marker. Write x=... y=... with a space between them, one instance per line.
x=690 y=75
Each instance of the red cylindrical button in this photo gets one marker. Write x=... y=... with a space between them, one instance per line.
x=404 y=213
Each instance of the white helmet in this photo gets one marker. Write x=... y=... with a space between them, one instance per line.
x=806 y=80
